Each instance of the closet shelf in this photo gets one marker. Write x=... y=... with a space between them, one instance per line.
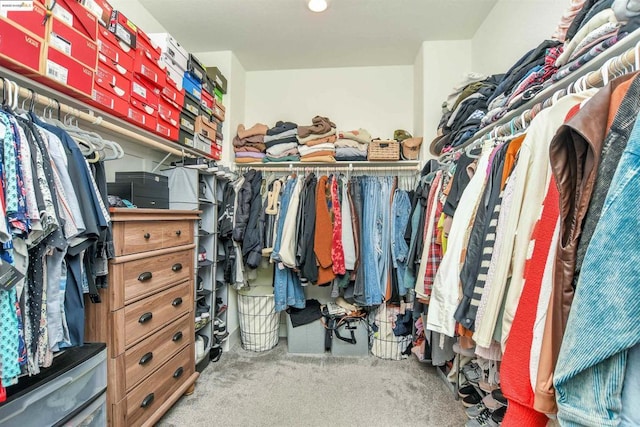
x=626 y=47
x=202 y=326
x=95 y=119
x=356 y=166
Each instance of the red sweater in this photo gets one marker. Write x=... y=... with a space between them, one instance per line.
x=514 y=372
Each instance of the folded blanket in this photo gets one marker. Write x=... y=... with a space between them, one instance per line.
x=289 y=140
x=257 y=129
x=281 y=159
x=304 y=150
x=318 y=159
x=312 y=137
x=350 y=143
x=320 y=125
x=281 y=148
x=246 y=149
x=255 y=139
x=360 y=135
x=250 y=155
x=350 y=152
x=320 y=153
x=287 y=134
x=291 y=152
x=281 y=127
x=247 y=160
x=330 y=139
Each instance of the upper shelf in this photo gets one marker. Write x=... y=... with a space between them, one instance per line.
x=97 y=120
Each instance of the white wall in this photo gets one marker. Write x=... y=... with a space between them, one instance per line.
x=139 y=15
x=379 y=99
x=511 y=29
x=418 y=94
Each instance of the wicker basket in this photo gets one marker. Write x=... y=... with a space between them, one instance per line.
x=384 y=150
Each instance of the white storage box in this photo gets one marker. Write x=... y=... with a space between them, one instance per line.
x=171 y=49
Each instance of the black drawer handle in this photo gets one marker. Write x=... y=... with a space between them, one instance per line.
x=178 y=233
x=178 y=373
x=143 y=277
x=176 y=302
x=146 y=358
x=177 y=336
x=145 y=317
x=176 y=267
x=147 y=400
x=147 y=236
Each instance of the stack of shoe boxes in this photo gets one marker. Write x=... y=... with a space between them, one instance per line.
x=218 y=110
x=25 y=32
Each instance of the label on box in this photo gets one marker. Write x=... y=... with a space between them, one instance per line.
x=63 y=14
x=149 y=73
x=140 y=90
x=192 y=109
x=187 y=124
x=57 y=72
x=60 y=44
x=123 y=34
x=15 y=6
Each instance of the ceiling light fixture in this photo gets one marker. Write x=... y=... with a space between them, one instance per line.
x=317 y=5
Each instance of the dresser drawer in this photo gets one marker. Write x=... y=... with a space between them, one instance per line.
x=148 y=275
x=150 y=314
x=177 y=233
x=140 y=236
x=146 y=398
x=145 y=357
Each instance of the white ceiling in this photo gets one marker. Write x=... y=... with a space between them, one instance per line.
x=284 y=34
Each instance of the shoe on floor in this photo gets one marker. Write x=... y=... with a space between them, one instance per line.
x=496 y=417
x=481 y=420
x=475 y=411
x=469 y=352
x=497 y=395
x=491 y=403
x=471 y=400
x=466 y=391
x=486 y=387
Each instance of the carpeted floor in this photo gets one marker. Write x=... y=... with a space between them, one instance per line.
x=277 y=389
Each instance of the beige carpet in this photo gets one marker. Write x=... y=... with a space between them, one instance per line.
x=277 y=389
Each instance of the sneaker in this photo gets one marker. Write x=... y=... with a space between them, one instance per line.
x=466 y=391
x=497 y=395
x=221 y=337
x=219 y=323
x=215 y=353
x=496 y=417
x=475 y=411
x=486 y=387
x=481 y=420
x=220 y=330
x=474 y=374
x=469 y=352
x=471 y=400
x=491 y=403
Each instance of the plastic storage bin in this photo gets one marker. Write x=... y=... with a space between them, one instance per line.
x=59 y=393
x=353 y=329
x=94 y=415
x=259 y=322
x=305 y=339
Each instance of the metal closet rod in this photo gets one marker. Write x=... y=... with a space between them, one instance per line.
x=616 y=66
x=345 y=167
x=25 y=93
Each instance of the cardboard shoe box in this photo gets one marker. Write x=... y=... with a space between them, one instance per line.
x=73 y=43
x=195 y=67
x=114 y=53
x=171 y=93
x=145 y=66
x=174 y=73
x=31 y=19
x=142 y=118
x=216 y=75
x=205 y=128
x=191 y=105
x=171 y=49
x=101 y=9
x=192 y=86
x=219 y=111
x=164 y=129
x=124 y=29
x=66 y=74
x=76 y=16
x=108 y=101
x=168 y=112
x=113 y=82
x=20 y=50
x=148 y=46
x=143 y=97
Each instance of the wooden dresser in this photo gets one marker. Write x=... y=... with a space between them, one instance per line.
x=146 y=314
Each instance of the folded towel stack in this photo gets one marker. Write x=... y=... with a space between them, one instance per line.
x=352 y=145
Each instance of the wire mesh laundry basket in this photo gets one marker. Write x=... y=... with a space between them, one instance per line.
x=259 y=322
x=386 y=344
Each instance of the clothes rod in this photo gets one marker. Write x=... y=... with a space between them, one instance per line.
x=26 y=94
x=609 y=67
x=329 y=166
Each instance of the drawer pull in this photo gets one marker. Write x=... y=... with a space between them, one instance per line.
x=147 y=400
x=143 y=277
x=176 y=302
x=145 y=317
x=147 y=236
x=176 y=267
x=178 y=373
x=177 y=336
x=146 y=358
x=178 y=233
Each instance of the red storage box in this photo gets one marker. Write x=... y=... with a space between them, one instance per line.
x=101 y=9
x=143 y=97
x=207 y=100
x=20 y=50
x=65 y=73
x=73 y=43
x=111 y=53
x=165 y=130
x=216 y=152
x=76 y=16
x=147 y=45
x=170 y=92
x=150 y=70
x=113 y=82
x=168 y=112
x=31 y=19
x=109 y=102
x=142 y=119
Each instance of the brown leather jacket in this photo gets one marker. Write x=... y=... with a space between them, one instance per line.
x=574 y=154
